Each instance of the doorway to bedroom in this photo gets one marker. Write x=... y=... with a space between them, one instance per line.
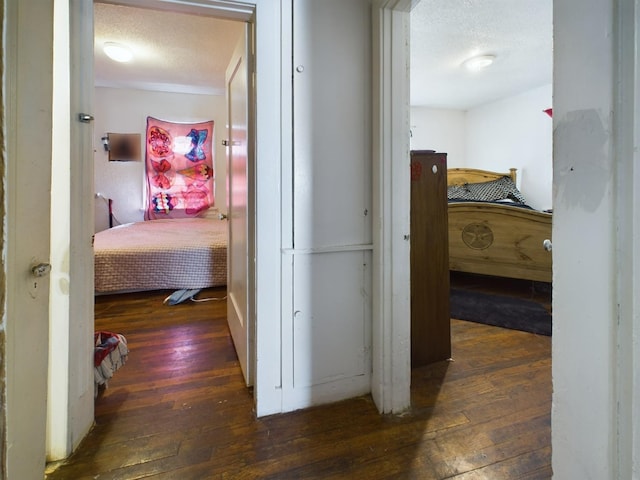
x=481 y=94
x=185 y=66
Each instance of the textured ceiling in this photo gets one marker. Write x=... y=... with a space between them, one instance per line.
x=187 y=53
x=445 y=33
x=173 y=52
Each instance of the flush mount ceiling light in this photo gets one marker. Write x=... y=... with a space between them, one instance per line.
x=478 y=63
x=117 y=51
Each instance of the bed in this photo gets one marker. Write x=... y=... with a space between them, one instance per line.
x=185 y=253
x=500 y=237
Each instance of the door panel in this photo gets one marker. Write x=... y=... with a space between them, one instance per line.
x=331 y=331
x=239 y=209
x=332 y=146
x=27 y=91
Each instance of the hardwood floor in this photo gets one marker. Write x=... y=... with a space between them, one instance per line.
x=179 y=410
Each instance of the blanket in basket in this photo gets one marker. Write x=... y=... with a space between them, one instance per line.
x=110 y=353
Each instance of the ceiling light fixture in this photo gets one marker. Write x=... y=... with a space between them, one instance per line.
x=478 y=63
x=118 y=52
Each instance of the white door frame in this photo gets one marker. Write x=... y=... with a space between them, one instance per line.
x=273 y=141
x=628 y=176
x=391 y=381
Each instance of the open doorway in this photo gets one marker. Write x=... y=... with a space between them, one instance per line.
x=189 y=71
x=490 y=118
x=121 y=110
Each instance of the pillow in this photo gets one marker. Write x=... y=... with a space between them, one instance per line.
x=499 y=189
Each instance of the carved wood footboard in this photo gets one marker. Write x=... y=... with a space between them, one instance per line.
x=497 y=239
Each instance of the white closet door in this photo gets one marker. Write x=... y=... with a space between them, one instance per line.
x=332 y=139
x=331 y=266
x=239 y=207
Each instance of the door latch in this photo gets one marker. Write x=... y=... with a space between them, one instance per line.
x=41 y=270
x=85 y=118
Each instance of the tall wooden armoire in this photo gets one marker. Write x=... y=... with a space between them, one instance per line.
x=430 y=322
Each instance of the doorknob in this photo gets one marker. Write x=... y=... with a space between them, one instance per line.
x=547 y=245
x=41 y=270
x=222 y=216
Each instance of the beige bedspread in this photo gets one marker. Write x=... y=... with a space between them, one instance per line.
x=172 y=254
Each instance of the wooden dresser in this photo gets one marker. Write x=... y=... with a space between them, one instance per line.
x=430 y=322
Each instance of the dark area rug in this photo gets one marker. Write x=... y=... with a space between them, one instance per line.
x=500 y=311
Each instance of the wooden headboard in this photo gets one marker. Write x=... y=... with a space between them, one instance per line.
x=460 y=176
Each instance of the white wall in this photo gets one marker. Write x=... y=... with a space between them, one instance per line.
x=515 y=132
x=512 y=132
x=126 y=111
x=440 y=130
x=596 y=326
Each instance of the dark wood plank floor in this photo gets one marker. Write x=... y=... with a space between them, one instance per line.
x=179 y=409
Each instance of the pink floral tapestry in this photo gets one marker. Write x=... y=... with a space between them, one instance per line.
x=179 y=168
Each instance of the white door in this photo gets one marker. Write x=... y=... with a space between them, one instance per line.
x=27 y=91
x=80 y=408
x=239 y=205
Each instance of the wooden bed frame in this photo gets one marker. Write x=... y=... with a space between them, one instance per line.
x=496 y=239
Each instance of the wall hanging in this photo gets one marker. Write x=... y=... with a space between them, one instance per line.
x=179 y=168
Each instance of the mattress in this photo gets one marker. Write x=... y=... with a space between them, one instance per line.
x=175 y=254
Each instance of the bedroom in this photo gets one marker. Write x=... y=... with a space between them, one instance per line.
x=493 y=118
x=490 y=118
x=126 y=95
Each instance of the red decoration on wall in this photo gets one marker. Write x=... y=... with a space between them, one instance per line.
x=416 y=171
x=549 y=111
